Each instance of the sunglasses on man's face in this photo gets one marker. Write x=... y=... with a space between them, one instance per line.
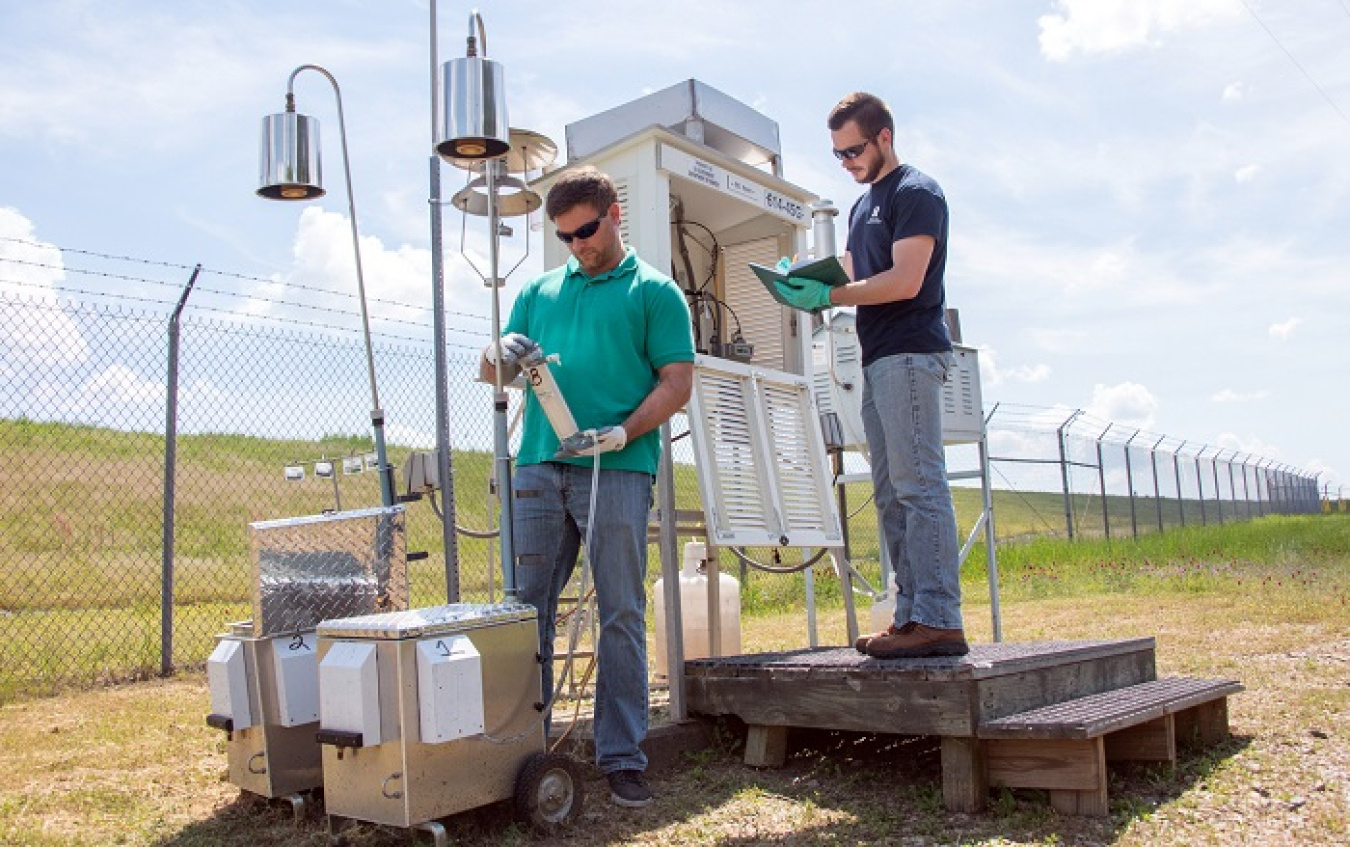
x=582 y=232
x=848 y=154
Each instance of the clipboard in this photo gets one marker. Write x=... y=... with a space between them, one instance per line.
x=827 y=270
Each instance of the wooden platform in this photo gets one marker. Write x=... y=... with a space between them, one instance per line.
x=973 y=704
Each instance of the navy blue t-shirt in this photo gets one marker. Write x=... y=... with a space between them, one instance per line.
x=904 y=203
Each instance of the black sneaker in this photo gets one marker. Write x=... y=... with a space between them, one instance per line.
x=628 y=788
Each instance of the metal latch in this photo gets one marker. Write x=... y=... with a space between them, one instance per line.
x=339 y=737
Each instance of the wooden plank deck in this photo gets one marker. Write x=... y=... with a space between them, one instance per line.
x=953 y=698
x=840 y=688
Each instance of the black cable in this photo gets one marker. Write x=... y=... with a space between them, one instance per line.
x=738 y=552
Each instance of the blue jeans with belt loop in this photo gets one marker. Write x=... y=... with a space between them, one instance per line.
x=902 y=418
x=550 y=517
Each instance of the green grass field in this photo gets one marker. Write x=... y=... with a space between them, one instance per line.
x=1264 y=602
x=81 y=529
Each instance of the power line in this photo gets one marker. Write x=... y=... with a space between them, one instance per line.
x=1297 y=63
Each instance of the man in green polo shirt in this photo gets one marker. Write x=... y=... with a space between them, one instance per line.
x=622 y=332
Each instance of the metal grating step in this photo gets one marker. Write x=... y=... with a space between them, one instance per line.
x=1098 y=714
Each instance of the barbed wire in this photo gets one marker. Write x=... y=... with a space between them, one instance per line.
x=58 y=299
x=212 y=271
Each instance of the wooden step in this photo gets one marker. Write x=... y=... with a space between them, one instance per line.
x=1111 y=711
x=1063 y=748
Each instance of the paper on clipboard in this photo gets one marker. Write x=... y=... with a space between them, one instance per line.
x=827 y=270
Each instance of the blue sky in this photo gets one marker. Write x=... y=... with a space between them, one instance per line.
x=1150 y=198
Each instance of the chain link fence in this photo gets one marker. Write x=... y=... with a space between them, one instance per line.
x=84 y=408
x=1067 y=473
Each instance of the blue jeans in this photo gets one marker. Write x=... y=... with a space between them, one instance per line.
x=550 y=519
x=902 y=417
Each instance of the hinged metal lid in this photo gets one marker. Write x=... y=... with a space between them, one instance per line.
x=434 y=620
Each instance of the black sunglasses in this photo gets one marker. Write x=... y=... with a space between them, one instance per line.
x=850 y=153
x=583 y=232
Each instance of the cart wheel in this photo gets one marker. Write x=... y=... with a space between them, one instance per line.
x=549 y=792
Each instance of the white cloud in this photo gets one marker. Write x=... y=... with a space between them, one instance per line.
x=1246 y=173
x=1113 y=26
x=1328 y=479
x=406 y=436
x=1057 y=340
x=120 y=385
x=1228 y=395
x=1234 y=91
x=1281 y=331
x=324 y=259
x=30 y=270
x=1127 y=404
x=991 y=374
x=1248 y=445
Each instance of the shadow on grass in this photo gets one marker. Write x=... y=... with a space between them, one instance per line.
x=836 y=787
x=886 y=789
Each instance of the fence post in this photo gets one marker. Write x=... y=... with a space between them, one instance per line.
x=170 y=472
x=1157 y=491
x=1200 y=484
x=1176 y=469
x=1258 y=476
x=1232 y=487
x=1129 y=482
x=1101 y=479
x=1218 y=495
x=1246 y=492
x=1273 y=487
x=1064 y=472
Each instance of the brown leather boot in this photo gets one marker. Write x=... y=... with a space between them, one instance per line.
x=861 y=644
x=916 y=641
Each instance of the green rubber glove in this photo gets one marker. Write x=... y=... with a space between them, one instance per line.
x=806 y=294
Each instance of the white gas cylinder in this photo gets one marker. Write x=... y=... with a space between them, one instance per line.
x=883 y=609
x=694 y=610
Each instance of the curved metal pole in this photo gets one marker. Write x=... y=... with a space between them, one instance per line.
x=376 y=413
x=501 y=444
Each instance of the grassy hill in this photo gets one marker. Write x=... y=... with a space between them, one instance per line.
x=81 y=539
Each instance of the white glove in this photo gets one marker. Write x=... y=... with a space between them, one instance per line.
x=516 y=348
x=606 y=440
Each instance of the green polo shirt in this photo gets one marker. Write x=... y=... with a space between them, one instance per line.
x=611 y=333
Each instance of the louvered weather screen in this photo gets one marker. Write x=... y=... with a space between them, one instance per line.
x=763 y=471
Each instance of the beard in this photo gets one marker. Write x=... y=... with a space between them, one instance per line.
x=869 y=174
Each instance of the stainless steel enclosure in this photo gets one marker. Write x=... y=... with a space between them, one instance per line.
x=264 y=673
x=276 y=755
x=380 y=687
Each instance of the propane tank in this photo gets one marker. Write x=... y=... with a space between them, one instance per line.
x=883 y=608
x=694 y=609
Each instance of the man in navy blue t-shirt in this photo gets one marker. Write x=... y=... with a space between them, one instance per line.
x=896 y=257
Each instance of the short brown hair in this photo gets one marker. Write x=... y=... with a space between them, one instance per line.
x=587 y=184
x=868 y=110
